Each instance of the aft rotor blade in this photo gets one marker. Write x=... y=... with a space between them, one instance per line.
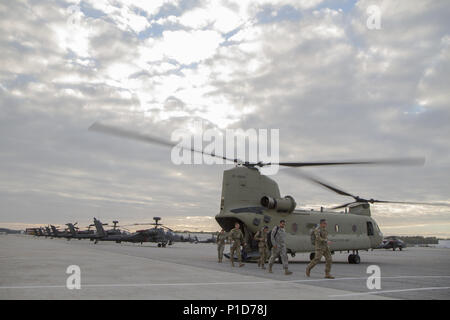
x=124 y=133
x=322 y=183
x=343 y=205
x=412 y=203
x=395 y=161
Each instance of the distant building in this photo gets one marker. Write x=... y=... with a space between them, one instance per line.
x=443 y=244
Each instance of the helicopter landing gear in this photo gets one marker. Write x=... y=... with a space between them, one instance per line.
x=354 y=258
x=161 y=245
x=311 y=256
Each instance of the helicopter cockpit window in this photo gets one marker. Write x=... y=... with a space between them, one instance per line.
x=369 y=228
x=336 y=228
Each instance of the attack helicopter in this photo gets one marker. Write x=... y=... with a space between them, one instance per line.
x=156 y=234
x=253 y=200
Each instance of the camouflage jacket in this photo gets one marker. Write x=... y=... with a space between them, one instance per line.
x=221 y=238
x=261 y=237
x=278 y=238
x=236 y=235
x=321 y=238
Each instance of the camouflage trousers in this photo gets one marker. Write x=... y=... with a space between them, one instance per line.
x=235 y=247
x=318 y=255
x=279 y=251
x=262 y=256
x=220 y=249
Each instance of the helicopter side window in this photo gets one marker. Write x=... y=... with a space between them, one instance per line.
x=336 y=228
x=369 y=228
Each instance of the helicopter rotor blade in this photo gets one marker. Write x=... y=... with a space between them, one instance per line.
x=133 y=135
x=440 y=204
x=123 y=133
x=345 y=205
x=166 y=228
x=320 y=182
x=420 y=161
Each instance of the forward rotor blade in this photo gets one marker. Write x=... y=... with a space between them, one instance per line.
x=123 y=133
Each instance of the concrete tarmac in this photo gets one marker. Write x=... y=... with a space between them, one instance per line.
x=35 y=268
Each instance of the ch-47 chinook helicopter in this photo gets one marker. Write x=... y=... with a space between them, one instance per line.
x=254 y=200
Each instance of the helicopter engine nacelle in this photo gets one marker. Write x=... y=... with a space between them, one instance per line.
x=286 y=204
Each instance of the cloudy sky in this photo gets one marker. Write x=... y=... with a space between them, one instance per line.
x=335 y=88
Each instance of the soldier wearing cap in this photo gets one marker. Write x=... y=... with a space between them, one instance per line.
x=237 y=240
x=221 y=240
x=278 y=239
x=322 y=249
x=261 y=237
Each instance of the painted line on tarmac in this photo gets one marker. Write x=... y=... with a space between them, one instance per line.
x=387 y=291
x=214 y=283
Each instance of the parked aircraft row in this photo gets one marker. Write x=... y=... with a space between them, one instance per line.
x=158 y=233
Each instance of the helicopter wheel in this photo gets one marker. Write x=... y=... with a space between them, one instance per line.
x=159 y=245
x=163 y=245
x=354 y=259
x=311 y=256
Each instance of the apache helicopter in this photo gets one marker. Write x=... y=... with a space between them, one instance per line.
x=57 y=233
x=254 y=200
x=75 y=233
x=155 y=234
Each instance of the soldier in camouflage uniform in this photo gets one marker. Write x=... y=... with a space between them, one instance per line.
x=278 y=239
x=322 y=249
x=261 y=237
x=221 y=240
x=236 y=239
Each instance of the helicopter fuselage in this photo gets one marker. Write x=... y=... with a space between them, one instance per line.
x=242 y=201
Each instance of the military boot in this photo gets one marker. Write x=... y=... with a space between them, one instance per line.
x=241 y=264
x=270 y=269
x=308 y=271
x=329 y=276
x=287 y=272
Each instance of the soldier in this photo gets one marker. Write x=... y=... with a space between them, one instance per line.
x=221 y=239
x=261 y=237
x=278 y=239
x=322 y=249
x=236 y=239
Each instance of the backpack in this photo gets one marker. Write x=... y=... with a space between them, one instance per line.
x=269 y=239
x=313 y=237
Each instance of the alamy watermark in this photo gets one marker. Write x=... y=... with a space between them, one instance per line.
x=74 y=279
x=251 y=146
x=373 y=21
x=374 y=280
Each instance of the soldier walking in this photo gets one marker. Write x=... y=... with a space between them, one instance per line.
x=261 y=237
x=322 y=249
x=237 y=239
x=221 y=239
x=278 y=239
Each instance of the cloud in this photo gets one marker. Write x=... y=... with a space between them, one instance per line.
x=334 y=88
